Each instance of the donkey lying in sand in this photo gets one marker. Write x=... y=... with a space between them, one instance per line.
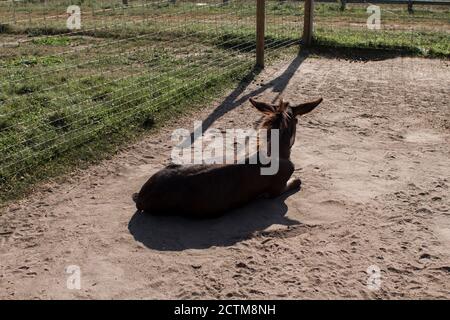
x=207 y=190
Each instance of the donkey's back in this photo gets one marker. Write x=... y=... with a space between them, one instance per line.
x=202 y=190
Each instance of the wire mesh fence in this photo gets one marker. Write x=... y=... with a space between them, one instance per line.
x=67 y=93
x=421 y=29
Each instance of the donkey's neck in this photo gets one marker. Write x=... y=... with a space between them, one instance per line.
x=282 y=152
x=266 y=152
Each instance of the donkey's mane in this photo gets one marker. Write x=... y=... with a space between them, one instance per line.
x=278 y=119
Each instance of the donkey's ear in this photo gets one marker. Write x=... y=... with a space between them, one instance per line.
x=262 y=106
x=306 y=107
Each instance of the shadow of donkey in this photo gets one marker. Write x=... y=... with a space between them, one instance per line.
x=175 y=233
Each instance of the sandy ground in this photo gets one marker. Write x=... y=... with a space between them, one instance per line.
x=374 y=161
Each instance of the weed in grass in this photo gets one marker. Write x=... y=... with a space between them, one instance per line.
x=5 y=28
x=58 y=119
x=55 y=41
x=26 y=89
x=5 y=124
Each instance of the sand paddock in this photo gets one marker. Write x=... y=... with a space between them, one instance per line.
x=374 y=162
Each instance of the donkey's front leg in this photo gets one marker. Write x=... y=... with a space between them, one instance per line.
x=282 y=180
x=292 y=184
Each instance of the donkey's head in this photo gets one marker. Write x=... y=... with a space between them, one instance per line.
x=284 y=118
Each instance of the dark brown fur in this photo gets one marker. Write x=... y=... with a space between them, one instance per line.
x=207 y=190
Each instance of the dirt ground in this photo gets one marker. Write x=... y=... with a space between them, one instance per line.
x=375 y=170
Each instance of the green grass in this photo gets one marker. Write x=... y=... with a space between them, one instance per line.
x=58 y=41
x=86 y=115
x=30 y=61
x=425 y=44
x=109 y=133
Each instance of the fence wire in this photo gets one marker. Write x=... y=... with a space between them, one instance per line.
x=63 y=91
x=413 y=27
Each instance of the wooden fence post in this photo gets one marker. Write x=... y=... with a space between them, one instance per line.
x=308 y=22
x=260 y=29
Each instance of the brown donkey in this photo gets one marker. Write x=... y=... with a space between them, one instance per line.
x=207 y=190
